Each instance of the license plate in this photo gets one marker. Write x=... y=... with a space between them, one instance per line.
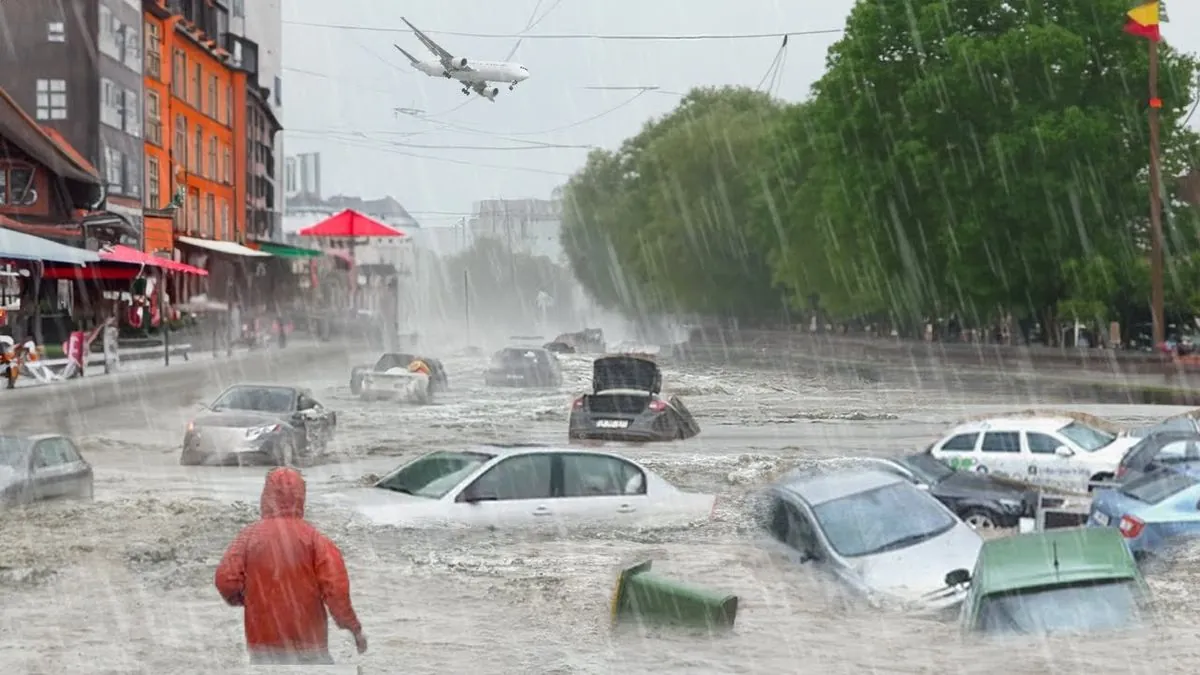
x=1101 y=518
x=612 y=424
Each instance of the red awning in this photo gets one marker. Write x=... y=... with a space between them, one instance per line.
x=350 y=224
x=132 y=256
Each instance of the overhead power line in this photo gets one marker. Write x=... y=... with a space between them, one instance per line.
x=577 y=36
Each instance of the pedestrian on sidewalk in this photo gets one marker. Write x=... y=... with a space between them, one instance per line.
x=286 y=574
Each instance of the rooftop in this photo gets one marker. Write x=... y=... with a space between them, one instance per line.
x=828 y=487
x=1028 y=560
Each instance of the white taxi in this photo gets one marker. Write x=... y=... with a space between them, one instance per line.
x=1057 y=452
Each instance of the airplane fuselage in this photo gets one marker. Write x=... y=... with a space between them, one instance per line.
x=476 y=71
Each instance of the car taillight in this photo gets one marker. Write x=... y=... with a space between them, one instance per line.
x=1121 y=471
x=1131 y=527
x=578 y=404
x=657 y=405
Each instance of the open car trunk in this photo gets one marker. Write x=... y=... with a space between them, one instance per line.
x=628 y=373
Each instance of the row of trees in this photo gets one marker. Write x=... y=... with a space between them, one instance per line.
x=956 y=157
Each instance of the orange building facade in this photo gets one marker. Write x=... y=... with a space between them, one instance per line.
x=195 y=133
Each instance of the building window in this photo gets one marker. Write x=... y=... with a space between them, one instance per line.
x=179 y=145
x=179 y=73
x=152 y=177
x=289 y=175
x=225 y=233
x=112 y=105
x=114 y=169
x=239 y=9
x=133 y=177
x=153 y=40
x=229 y=105
x=133 y=113
x=56 y=31
x=193 y=212
x=52 y=99
x=133 y=48
x=212 y=159
x=278 y=91
x=197 y=82
x=210 y=215
x=198 y=152
x=153 y=118
x=107 y=42
x=212 y=96
x=227 y=167
x=16 y=186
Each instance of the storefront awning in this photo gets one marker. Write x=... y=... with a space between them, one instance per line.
x=226 y=247
x=20 y=246
x=132 y=256
x=284 y=251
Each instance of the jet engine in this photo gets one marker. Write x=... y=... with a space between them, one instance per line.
x=462 y=63
x=492 y=93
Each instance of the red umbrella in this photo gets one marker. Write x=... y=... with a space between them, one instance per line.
x=132 y=256
x=350 y=224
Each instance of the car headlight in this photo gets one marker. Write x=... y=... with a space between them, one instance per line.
x=191 y=427
x=258 y=433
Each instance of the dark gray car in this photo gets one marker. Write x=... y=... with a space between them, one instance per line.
x=37 y=468
x=259 y=425
x=523 y=367
x=626 y=404
x=1159 y=448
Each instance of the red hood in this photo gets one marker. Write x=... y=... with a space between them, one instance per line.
x=283 y=494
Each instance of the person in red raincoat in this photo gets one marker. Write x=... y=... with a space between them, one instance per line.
x=285 y=574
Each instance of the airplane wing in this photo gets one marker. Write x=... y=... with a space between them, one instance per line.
x=444 y=56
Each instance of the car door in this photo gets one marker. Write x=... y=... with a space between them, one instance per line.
x=51 y=475
x=960 y=451
x=1000 y=453
x=518 y=490
x=1045 y=467
x=79 y=473
x=603 y=488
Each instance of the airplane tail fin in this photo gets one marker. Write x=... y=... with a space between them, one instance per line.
x=411 y=59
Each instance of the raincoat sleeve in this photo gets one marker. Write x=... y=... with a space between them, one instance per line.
x=231 y=573
x=335 y=585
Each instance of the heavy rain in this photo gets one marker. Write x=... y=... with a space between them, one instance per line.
x=873 y=330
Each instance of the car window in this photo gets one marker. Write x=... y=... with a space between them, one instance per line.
x=926 y=468
x=1001 y=441
x=600 y=476
x=47 y=454
x=801 y=534
x=1089 y=439
x=14 y=452
x=1078 y=608
x=1041 y=444
x=258 y=399
x=961 y=443
x=520 y=477
x=435 y=474
x=69 y=453
x=1178 y=451
x=307 y=402
x=1156 y=486
x=886 y=518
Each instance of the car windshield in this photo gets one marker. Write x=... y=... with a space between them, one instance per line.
x=1089 y=439
x=12 y=452
x=1076 y=608
x=927 y=468
x=258 y=399
x=435 y=474
x=1156 y=486
x=883 y=519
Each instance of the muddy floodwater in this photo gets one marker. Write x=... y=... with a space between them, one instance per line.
x=124 y=584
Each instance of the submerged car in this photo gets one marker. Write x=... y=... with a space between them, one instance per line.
x=876 y=533
x=1056 y=452
x=257 y=425
x=523 y=367
x=514 y=485
x=1158 y=449
x=626 y=404
x=982 y=501
x=1153 y=511
x=1071 y=580
x=390 y=361
x=586 y=341
x=1187 y=422
x=39 y=468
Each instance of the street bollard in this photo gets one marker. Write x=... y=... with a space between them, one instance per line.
x=650 y=598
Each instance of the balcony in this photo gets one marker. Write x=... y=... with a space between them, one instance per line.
x=243 y=53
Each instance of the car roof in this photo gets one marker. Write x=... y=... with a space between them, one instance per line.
x=1042 y=424
x=1027 y=560
x=256 y=385
x=837 y=484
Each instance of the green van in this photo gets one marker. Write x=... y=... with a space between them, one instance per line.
x=1069 y=580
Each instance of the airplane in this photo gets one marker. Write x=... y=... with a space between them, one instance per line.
x=473 y=75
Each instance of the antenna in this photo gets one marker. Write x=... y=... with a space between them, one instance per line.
x=1055 y=545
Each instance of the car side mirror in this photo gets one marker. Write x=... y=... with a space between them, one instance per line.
x=957 y=578
x=1064 y=451
x=473 y=495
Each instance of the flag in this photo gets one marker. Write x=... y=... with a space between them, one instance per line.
x=1143 y=20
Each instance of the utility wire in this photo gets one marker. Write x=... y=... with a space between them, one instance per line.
x=420 y=146
x=775 y=67
x=385 y=148
x=578 y=36
x=540 y=132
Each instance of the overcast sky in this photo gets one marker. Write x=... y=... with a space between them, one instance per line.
x=343 y=86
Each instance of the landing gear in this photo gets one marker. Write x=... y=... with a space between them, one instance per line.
x=511 y=86
x=446 y=74
x=466 y=91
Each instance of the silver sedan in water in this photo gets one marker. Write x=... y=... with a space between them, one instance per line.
x=875 y=533
x=37 y=468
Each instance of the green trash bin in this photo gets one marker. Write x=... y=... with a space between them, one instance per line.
x=651 y=598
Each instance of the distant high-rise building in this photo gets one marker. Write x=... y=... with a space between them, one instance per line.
x=302 y=176
x=530 y=226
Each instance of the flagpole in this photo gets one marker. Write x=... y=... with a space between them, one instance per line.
x=1156 y=233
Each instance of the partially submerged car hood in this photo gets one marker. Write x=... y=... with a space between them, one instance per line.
x=238 y=419
x=913 y=573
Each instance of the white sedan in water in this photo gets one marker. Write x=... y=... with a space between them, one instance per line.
x=515 y=485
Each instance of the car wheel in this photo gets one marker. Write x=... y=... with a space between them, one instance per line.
x=981 y=519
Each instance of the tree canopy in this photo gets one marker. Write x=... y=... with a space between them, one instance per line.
x=956 y=156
